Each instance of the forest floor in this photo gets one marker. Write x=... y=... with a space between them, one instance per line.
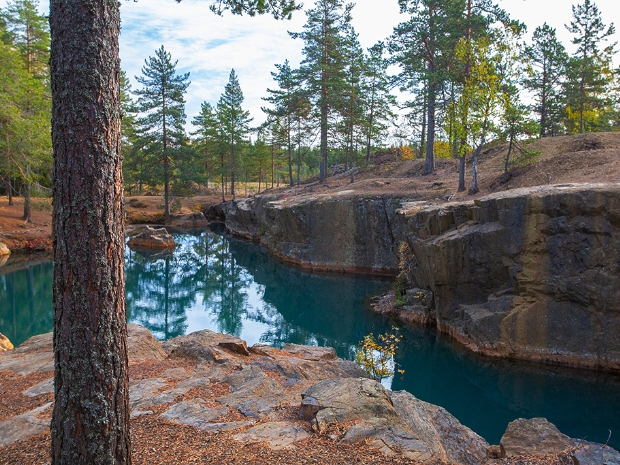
x=586 y=158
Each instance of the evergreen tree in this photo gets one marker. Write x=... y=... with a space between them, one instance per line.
x=322 y=68
x=29 y=32
x=545 y=61
x=234 y=122
x=421 y=47
x=589 y=70
x=207 y=140
x=285 y=101
x=378 y=102
x=161 y=98
x=31 y=154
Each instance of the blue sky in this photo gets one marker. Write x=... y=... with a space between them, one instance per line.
x=208 y=46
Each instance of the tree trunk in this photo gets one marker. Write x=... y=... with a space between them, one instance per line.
x=429 y=165
x=26 y=216
x=461 y=187
x=90 y=421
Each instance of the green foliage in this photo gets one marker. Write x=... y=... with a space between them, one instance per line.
x=376 y=356
x=161 y=146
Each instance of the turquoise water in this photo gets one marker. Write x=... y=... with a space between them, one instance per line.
x=229 y=285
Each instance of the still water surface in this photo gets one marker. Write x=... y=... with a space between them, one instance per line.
x=229 y=285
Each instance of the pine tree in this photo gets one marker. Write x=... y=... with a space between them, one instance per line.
x=322 y=68
x=234 y=122
x=378 y=102
x=545 y=61
x=207 y=141
x=161 y=98
x=285 y=100
x=589 y=72
x=29 y=34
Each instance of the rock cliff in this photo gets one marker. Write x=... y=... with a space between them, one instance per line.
x=530 y=273
x=324 y=233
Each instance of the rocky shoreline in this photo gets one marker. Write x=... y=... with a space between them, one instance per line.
x=528 y=273
x=280 y=399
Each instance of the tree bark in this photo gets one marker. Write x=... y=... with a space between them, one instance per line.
x=90 y=421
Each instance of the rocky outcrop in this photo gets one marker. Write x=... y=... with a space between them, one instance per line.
x=537 y=436
x=256 y=395
x=531 y=273
x=323 y=233
x=152 y=239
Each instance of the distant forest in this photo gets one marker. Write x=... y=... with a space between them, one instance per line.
x=465 y=67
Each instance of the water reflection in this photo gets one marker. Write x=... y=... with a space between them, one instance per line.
x=228 y=285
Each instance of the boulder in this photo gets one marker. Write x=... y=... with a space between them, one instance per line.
x=534 y=436
x=5 y=344
x=33 y=355
x=253 y=393
x=442 y=433
x=142 y=345
x=339 y=400
x=391 y=437
x=595 y=454
x=208 y=340
x=195 y=220
x=152 y=239
x=4 y=250
x=193 y=413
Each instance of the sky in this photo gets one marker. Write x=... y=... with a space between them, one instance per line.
x=209 y=46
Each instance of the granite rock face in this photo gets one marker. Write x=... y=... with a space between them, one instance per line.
x=530 y=273
x=353 y=235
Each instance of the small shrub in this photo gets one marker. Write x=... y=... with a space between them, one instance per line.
x=376 y=356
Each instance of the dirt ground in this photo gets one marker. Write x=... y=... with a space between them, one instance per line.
x=586 y=158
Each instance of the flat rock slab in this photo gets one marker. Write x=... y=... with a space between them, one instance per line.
x=254 y=394
x=534 y=436
x=339 y=400
x=311 y=352
x=391 y=437
x=23 y=426
x=278 y=434
x=44 y=387
x=193 y=412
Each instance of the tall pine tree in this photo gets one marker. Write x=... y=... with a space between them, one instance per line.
x=162 y=102
x=589 y=71
x=545 y=61
x=234 y=122
x=322 y=68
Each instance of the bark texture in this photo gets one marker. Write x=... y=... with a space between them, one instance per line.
x=90 y=423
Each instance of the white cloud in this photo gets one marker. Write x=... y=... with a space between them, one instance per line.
x=209 y=46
